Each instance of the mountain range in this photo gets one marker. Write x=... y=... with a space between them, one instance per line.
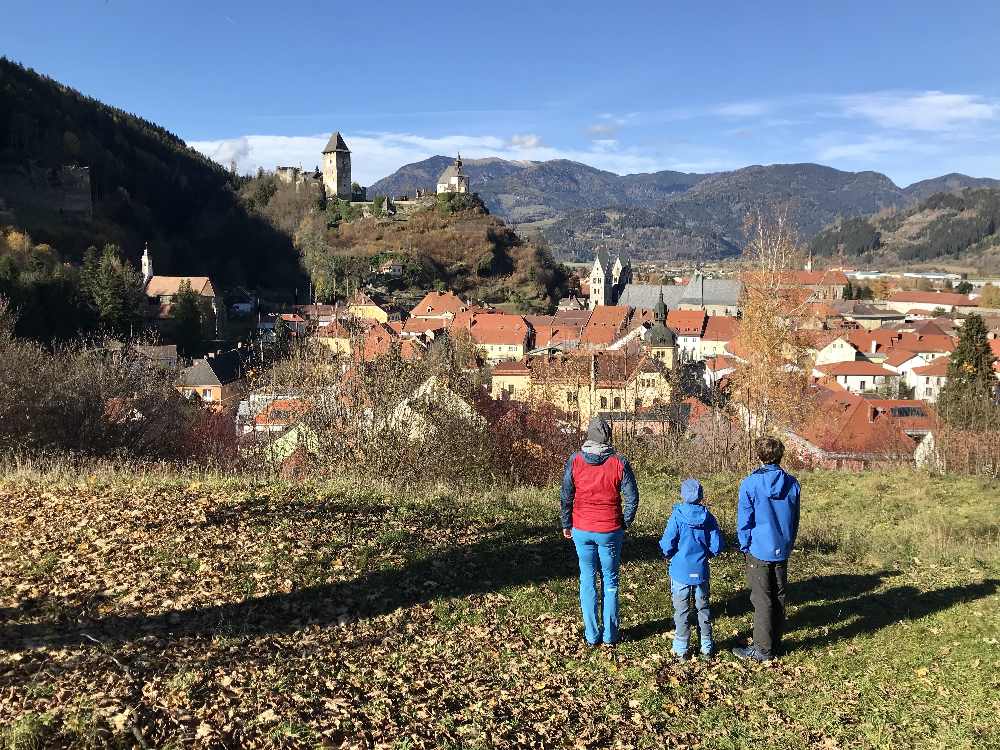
x=667 y=215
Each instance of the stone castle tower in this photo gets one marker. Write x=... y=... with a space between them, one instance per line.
x=337 y=168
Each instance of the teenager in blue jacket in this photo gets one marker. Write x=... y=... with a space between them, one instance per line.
x=692 y=537
x=767 y=521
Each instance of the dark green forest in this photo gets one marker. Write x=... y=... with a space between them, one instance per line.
x=944 y=226
x=147 y=185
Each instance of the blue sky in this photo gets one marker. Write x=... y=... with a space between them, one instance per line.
x=906 y=88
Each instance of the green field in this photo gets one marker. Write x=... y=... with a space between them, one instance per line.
x=145 y=609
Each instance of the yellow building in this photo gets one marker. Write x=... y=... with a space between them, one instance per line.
x=334 y=337
x=363 y=306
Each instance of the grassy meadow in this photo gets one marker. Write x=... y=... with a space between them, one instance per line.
x=146 y=609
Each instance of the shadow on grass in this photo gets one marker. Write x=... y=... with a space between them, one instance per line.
x=523 y=555
x=845 y=605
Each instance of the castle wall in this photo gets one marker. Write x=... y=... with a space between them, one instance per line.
x=64 y=190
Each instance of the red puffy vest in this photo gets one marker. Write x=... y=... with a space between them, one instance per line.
x=597 y=501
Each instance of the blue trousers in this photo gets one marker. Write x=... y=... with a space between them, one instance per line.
x=603 y=551
x=681 y=595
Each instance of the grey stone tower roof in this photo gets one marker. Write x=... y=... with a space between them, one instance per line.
x=336 y=143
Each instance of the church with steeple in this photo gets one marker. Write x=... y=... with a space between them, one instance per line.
x=453 y=179
x=608 y=278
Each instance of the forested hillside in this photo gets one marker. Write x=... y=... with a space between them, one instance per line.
x=946 y=228
x=145 y=184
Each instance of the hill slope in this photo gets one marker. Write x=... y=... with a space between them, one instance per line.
x=245 y=612
x=145 y=185
x=946 y=228
x=664 y=215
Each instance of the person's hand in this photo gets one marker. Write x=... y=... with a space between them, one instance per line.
x=568 y=533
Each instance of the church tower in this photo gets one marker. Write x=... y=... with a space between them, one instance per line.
x=337 y=168
x=147 y=265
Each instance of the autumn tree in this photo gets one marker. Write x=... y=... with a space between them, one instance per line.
x=989 y=296
x=770 y=389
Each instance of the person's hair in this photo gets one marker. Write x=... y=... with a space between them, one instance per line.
x=770 y=450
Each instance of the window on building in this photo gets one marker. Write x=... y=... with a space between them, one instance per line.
x=618 y=403
x=861 y=385
x=638 y=403
x=571 y=397
x=206 y=394
x=604 y=402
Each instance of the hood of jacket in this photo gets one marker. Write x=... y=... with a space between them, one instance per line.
x=775 y=481
x=692 y=514
x=596 y=454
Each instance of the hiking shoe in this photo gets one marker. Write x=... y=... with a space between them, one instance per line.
x=706 y=655
x=750 y=653
x=678 y=655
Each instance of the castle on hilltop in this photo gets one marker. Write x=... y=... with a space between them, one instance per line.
x=335 y=177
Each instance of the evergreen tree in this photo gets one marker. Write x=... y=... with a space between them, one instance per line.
x=970 y=392
x=188 y=319
x=114 y=290
x=963 y=287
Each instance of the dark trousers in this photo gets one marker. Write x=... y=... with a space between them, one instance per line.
x=768 y=583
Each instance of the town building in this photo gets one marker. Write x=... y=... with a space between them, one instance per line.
x=857 y=376
x=615 y=385
x=161 y=291
x=439 y=305
x=498 y=336
x=928 y=380
x=214 y=380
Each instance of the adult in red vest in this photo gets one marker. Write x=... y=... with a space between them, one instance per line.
x=595 y=482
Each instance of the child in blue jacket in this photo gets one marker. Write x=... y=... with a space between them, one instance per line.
x=692 y=536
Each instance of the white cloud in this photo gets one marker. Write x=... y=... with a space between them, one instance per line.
x=525 y=140
x=866 y=150
x=743 y=109
x=929 y=111
x=603 y=129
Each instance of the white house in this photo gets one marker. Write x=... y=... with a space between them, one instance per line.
x=838 y=350
x=928 y=380
x=860 y=376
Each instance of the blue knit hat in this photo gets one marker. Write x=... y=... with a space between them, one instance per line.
x=691 y=491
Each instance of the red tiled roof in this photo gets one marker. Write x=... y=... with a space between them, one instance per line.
x=857 y=367
x=720 y=328
x=715 y=364
x=333 y=330
x=687 y=322
x=850 y=424
x=493 y=328
x=281 y=412
x=886 y=338
x=437 y=304
x=607 y=323
x=899 y=356
x=422 y=325
x=933 y=298
x=937 y=368
x=518 y=367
